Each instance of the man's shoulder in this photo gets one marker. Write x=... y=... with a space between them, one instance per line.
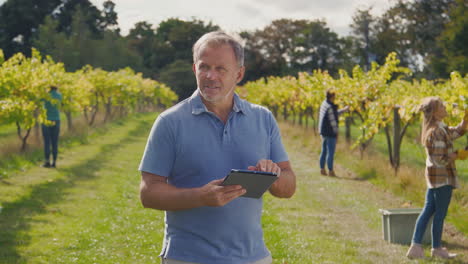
x=255 y=108
x=325 y=105
x=178 y=110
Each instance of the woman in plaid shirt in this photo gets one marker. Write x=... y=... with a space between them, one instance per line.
x=440 y=174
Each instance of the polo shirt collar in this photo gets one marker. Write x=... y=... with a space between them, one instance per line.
x=198 y=107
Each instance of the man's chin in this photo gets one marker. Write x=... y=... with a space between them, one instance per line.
x=209 y=96
x=211 y=99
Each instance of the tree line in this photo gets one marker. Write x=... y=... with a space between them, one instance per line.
x=428 y=36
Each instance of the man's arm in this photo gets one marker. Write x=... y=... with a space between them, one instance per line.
x=285 y=186
x=156 y=193
x=344 y=110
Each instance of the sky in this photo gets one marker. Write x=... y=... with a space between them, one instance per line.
x=238 y=15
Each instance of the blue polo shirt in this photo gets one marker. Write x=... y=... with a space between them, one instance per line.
x=191 y=147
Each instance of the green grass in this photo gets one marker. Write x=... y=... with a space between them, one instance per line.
x=88 y=210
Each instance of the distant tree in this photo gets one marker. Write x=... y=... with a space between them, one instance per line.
x=348 y=60
x=141 y=31
x=171 y=42
x=179 y=36
x=256 y=62
x=179 y=76
x=288 y=46
x=81 y=47
x=112 y=53
x=74 y=49
x=423 y=22
x=363 y=34
x=426 y=21
x=317 y=47
x=154 y=54
x=93 y=18
x=454 y=42
x=140 y=39
x=391 y=35
x=19 y=20
x=109 y=17
x=276 y=44
x=51 y=42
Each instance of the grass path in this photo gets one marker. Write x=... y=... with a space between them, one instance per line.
x=88 y=210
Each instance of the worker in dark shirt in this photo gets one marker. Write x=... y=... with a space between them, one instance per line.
x=328 y=129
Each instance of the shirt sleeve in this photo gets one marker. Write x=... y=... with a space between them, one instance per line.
x=277 y=151
x=437 y=148
x=456 y=132
x=158 y=157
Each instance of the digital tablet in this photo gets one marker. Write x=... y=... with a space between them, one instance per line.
x=254 y=182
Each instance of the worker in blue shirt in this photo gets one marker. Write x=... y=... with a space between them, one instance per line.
x=51 y=133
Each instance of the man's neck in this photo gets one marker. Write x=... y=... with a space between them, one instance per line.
x=220 y=109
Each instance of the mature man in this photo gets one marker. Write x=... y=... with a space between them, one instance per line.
x=194 y=145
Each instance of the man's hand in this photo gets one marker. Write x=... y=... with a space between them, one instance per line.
x=284 y=186
x=157 y=193
x=213 y=194
x=267 y=166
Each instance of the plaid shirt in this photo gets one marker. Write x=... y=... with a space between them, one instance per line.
x=439 y=170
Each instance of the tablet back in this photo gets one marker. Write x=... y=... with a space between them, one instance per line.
x=256 y=183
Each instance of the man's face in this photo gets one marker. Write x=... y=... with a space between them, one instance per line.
x=217 y=73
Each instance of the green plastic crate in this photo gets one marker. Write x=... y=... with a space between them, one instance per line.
x=398 y=225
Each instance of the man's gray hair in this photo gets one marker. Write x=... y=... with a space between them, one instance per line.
x=217 y=38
